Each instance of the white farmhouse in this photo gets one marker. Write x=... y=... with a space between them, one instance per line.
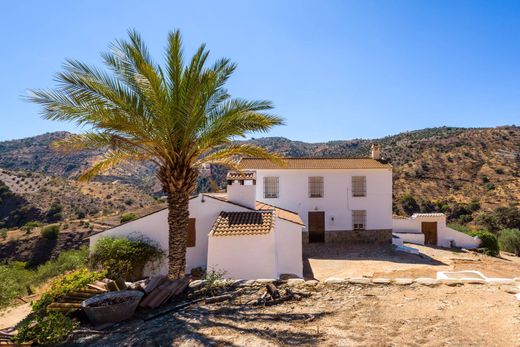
x=339 y=199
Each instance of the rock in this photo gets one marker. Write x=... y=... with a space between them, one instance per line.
x=512 y=290
x=425 y=281
x=474 y=281
x=334 y=280
x=499 y=281
x=516 y=279
x=359 y=280
x=311 y=283
x=451 y=282
x=403 y=281
x=247 y=283
x=295 y=282
x=263 y=281
x=517 y=296
x=381 y=281
x=197 y=284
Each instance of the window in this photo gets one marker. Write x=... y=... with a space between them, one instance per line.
x=191 y=233
x=270 y=187
x=359 y=186
x=316 y=187
x=359 y=219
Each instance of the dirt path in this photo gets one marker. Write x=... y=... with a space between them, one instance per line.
x=348 y=315
x=322 y=262
x=12 y=315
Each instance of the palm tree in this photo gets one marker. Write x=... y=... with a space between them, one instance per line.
x=178 y=116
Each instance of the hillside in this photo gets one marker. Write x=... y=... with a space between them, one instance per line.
x=440 y=168
x=28 y=196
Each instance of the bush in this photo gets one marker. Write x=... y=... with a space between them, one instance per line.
x=509 y=241
x=489 y=244
x=125 y=257
x=29 y=226
x=50 y=232
x=409 y=204
x=65 y=284
x=46 y=329
x=17 y=279
x=3 y=233
x=127 y=217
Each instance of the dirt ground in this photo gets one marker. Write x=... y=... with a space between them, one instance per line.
x=347 y=315
x=322 y=261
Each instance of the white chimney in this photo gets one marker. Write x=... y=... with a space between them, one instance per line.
x=241 y=188
x=376 y=152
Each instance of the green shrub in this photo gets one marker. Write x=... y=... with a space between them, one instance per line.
x=409 y=204
x=66 y=261
x=3 y=233
x=15 y=282
x=29 y=226
x=489 y=242
x=509 y=241
x=462 y=228
x=127 y=217
x=50 y=232
x=46 y=329
x=64 y=284
x=124 y=257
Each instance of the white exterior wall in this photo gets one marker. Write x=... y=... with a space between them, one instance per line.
x=410 y=230
x=337 y=201
x=289 y=247
x=243 y=257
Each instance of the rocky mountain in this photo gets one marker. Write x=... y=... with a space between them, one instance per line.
x=438 y=169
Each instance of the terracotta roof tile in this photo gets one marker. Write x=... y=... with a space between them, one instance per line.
x=244 y=175
x=314 y=163
x=260 y=206
x=243 y=223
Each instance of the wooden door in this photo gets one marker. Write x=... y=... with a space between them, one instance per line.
x=429 y=229
x=316 y=226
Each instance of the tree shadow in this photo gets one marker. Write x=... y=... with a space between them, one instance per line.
x=215 y=326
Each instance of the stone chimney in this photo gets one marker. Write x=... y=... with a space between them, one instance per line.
x=241 y=188
x=375 y=152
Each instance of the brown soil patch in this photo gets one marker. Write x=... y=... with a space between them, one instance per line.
x=349 y=315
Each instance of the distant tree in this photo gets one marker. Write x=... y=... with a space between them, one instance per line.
x=409 y=204
x=178 y=116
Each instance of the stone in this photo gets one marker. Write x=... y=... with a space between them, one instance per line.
x=451 y=282
x=359 y=280
x=197 y=284
x=247 y=283
x=264 y=280
x=500 y=281
x=512 y=290
x=334 y=280
x=381 y=281
x=295 y=282
x=403 y=281
x=311 y=283
x=517 y=296
x=425 y=281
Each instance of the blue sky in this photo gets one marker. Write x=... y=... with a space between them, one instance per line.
x=334 y=69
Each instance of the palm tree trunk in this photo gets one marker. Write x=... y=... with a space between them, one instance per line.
x=178 y=181
x=178 y=214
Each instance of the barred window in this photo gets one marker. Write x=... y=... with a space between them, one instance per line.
x=270 y=187
x=316 y=187
x=359 y=186
x=359 y=219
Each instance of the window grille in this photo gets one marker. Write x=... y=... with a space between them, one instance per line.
x=359 y=218
x=359 y=186
x=316 y=187
x=270 y=187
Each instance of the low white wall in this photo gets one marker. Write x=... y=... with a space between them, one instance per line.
x=243 y=257
x=460 y=239
x=289 y=248
x=411 y=237
x=409 y=229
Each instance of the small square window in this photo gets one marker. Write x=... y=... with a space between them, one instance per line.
x=316 y=187
x=359 y=186
x=270 y=187
x=359 y=218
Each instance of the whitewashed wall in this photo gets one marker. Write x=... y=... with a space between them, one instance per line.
x=243 y=257
x=409 y=230
x=338 y=201
x=289 y=248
